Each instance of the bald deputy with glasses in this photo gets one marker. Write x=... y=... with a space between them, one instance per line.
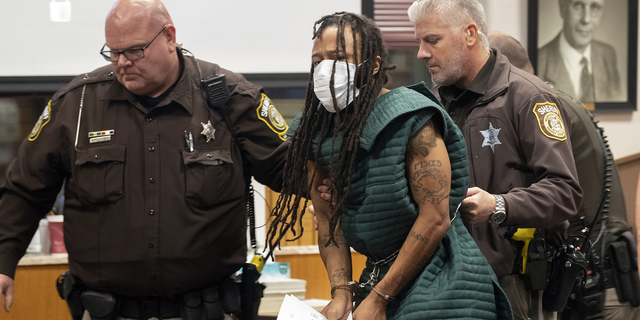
x=154 y=178
x=574 y=62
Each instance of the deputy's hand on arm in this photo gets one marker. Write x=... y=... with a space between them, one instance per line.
x=315 y=219
x=477 y=206
x=6 y=290
x=325 y=190
x=429 y=176
x=337 y=260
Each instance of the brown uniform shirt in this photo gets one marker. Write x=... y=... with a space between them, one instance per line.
x=144 y=215
x=518 y=146
x=590 y=156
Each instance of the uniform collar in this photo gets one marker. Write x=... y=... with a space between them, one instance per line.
x=479 y=83
x=499 y=79
x=182 y=94
x=477 y=86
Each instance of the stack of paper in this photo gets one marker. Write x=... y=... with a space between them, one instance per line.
x=275 y=292
x=294 y=309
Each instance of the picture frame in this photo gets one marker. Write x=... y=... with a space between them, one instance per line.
x=617 y=30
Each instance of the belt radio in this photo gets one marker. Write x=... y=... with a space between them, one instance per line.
x=569 y=269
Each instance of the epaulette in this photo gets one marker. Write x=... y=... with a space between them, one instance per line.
x=98 y=75
x=236 y=82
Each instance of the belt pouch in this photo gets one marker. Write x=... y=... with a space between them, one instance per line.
x=211 y=302
x=100 y=305
x=624 y=268
x=230 y=296
x=191 y=306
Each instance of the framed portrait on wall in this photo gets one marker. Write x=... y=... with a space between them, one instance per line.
x=587 y=48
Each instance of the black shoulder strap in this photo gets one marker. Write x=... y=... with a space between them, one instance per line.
x=218 y=96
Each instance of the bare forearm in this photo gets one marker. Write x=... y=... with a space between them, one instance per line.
x=337 y=260
x=416 y=252
x=335 y=255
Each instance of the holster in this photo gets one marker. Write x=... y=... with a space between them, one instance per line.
x=622 y=256
x=251 y=291
x=566 y=274
x=533 y=270
x=536 y=272
x=69 y=289
x=100 y=305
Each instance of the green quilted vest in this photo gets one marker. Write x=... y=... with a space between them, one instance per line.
x=379 y=212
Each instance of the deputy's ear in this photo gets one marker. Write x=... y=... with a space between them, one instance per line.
x=471 y=34
x=170 y=34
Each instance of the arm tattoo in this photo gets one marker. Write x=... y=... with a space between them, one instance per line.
x=420 y=145
x=338 y=277
x=424 y=173
x=419 y=237
x=401 y=281
x=324 y=240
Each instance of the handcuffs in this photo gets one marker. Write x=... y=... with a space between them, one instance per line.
x=355 y=286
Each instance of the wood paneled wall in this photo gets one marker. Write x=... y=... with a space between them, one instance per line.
x=629 y=169
x=36 y=296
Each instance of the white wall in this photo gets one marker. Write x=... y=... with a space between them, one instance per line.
x=249 y=36
x=507 y=16
x=622 y=128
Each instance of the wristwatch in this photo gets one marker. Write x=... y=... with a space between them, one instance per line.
x=499 y=214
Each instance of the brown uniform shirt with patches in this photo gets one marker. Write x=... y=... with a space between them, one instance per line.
x=143 y=214
x=523 y=155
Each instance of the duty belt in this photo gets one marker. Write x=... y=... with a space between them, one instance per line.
x=149 y=307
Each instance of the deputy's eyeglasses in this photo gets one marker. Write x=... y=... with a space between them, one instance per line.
x=132 y=54
x=580 y=8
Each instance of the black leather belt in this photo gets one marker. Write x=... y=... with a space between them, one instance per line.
x=149 y=307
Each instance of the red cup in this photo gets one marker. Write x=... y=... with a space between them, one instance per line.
x=56 y=233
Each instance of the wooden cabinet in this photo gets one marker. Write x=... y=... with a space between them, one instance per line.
x=36 y=296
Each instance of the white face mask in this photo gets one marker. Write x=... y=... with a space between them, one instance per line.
x=322 y=78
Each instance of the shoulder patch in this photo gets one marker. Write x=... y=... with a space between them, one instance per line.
x=268 y=113
x=550 y=120
x=42 y=121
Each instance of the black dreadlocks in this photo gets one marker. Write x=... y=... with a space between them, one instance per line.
x=315 y=121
